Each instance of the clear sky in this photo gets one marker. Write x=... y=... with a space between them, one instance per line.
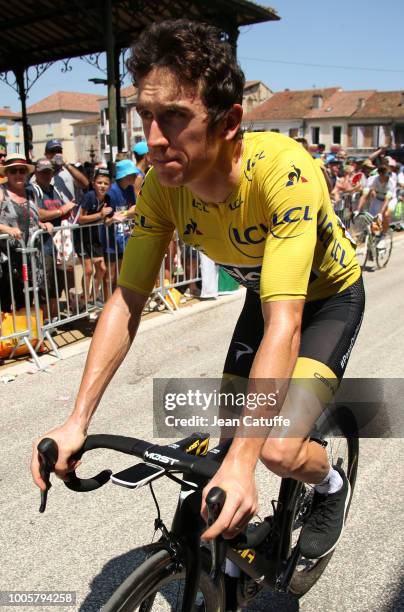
x=359 y=42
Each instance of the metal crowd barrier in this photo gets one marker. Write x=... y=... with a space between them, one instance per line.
x=15 y=301
x=65 y=280
x=60 y=276
x=181 y=267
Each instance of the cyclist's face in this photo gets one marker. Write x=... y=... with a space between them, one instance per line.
x=175 y=122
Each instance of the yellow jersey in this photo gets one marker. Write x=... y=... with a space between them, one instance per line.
x=276 y=233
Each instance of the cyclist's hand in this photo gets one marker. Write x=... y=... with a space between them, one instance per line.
x=69 y=438
x=241 y=499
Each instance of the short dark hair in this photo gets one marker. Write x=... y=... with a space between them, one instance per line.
x=197 y=54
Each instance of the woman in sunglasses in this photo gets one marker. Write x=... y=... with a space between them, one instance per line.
x=18 y=218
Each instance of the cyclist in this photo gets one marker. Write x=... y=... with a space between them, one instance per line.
x=257 y=204
x=377 y=195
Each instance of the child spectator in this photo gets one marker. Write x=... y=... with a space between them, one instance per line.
x=94 y=208
x=122 y=200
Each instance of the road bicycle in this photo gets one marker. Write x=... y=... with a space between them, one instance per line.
x=372 y=244
x=181 y=574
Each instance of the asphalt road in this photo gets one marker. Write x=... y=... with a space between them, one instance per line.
x=88 y=543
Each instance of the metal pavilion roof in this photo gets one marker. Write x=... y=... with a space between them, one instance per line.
x=39 y=31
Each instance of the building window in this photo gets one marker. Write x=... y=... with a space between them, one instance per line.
x=136 y=120
x=357 y=136
x=49 y=130
x=16 y=130
x=336 y=134
x=317 y=102
x=315 y=135
x=379 y=136
x=17 y=147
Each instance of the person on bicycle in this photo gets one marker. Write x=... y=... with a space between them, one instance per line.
x=377 y=196
x=258 y=205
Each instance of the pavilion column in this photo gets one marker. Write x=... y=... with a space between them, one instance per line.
x=22 y=92
x=120 y=143
x=233 y=34
x=111 y=78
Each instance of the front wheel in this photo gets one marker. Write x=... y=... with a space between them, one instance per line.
x=158 y=584
x=362 y=251
x=384 y=246
x=343 y=450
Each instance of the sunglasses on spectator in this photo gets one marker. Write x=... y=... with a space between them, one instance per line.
x=17 y=170
x=58 y=150
x=3 y=155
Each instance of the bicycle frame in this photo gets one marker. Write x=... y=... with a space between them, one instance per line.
x=268 y=560
x=273 y=567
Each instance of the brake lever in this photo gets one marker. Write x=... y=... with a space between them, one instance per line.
x=214 y=502
x=48 y=453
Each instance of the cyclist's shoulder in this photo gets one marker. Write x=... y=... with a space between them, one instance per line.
x=271 y=153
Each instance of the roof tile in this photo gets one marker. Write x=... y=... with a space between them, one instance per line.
x=6 y=113
x=288 y=104
x=340 y=104
x=386 y=104
x=66 y=101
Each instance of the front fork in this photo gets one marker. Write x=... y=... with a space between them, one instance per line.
x=186 y=529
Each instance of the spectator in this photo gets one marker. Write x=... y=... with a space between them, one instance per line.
x=18 y=218
x=357 y=176
x=141 y=153
x=400 y=178
x=321 y=150
x=94 y=208
x=69 y=181
x=368 y=168
x=343 y=185
x=393 y=169
x=334 y=169
x=3 y=155
x=51 y=208
x=122 y=201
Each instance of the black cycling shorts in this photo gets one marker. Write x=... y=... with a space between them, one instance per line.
x=328 y=333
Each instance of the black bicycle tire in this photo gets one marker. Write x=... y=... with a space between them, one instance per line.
x=301 y=582
x=379 y=265
x=152 y=574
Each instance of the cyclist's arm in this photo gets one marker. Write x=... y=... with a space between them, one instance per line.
x=114 y=334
